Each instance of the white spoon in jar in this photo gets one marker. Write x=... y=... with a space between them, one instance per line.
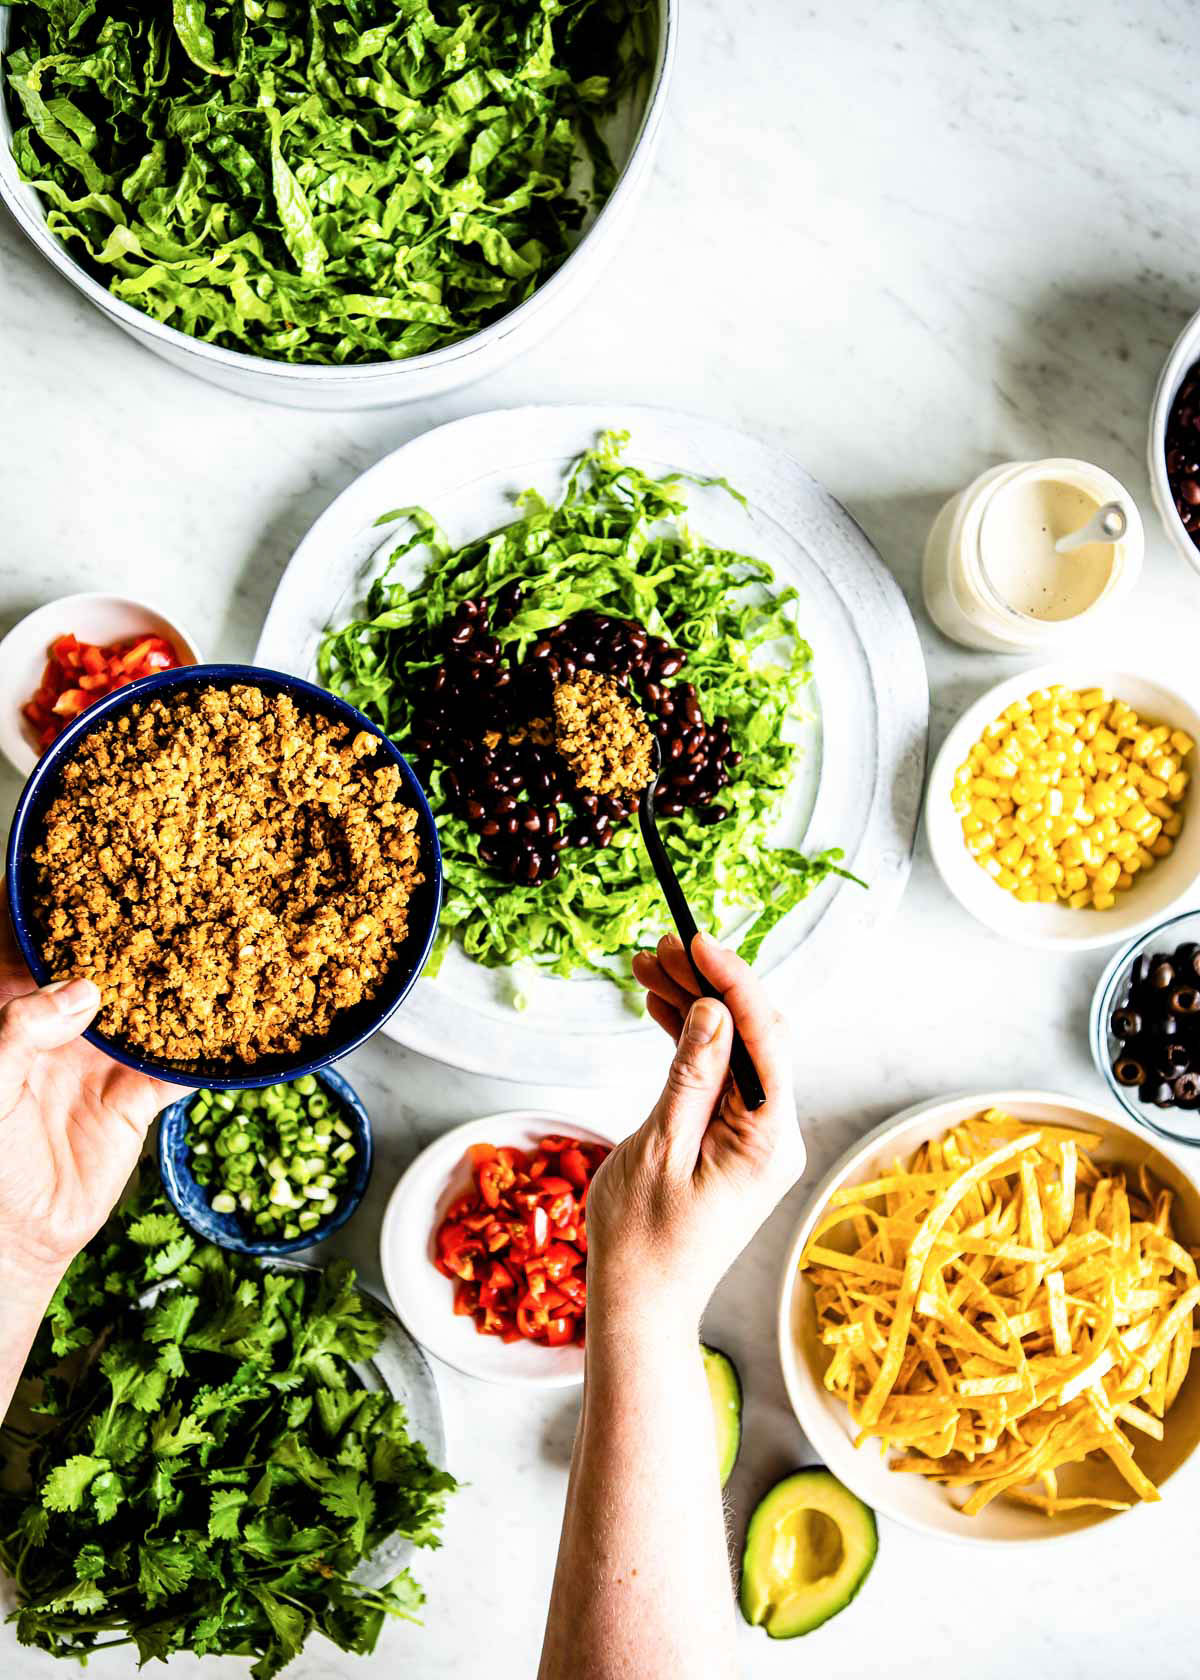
x=1107 y=525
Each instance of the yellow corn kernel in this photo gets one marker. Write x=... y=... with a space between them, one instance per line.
x=1150 y=831
x=1001 y=766
x=1160 y=808
x=1152 y=788
x=1178 y=785
x=985 y=787
x=1024 y=830
x=1163 y=846
x=1124 y=881
x=1164 y=767
x=1103 y=900
x=1133 y=864
x=977 y=754
x=996 y=730
x=1135 y=817
x=993 y=867
x=1028 y=736
x=1173 y=827
x=1018 y=710
x=1125 y=845
x=1027 y=893
x=986 y=810
x=1087 y=761
x=1006 y=807
x=1146 y=860
x=1075 y=879
x=1009 y=854
x=972 y=825
x=1004 y=878
x=1108 y=875
x=1091 y=698
x=1027 y=813
x=1143 y=746
x=1023 y=868
x=1004 y=829
x=1105 y=741
x=1077 y=900
x=1048 y=871
x=1047 y=895
x=1182 y=742
x=977 y=844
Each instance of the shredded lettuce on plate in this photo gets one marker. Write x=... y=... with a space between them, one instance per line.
x=327 y=181
x=615 y=542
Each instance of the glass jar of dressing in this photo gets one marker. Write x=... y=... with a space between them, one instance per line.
x=992 y=576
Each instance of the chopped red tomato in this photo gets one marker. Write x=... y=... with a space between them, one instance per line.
x=515 y=1245
x=78 y=673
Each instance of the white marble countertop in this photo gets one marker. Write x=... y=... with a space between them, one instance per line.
x=904 y=242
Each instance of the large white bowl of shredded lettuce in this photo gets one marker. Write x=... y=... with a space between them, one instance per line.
x=795 y=631
x=309 y=209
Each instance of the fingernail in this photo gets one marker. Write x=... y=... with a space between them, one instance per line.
x=703 y=1022
x=72 y=997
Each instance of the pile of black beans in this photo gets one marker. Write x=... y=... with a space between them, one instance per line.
x=1158 y=1027
x=1183 y=452
x=475 y=712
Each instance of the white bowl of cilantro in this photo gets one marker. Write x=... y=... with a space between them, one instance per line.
x=409 y=206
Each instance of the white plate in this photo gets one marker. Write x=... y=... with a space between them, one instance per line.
x=89 y=617
x=914 y=1500
x=422 y=1297
x=1057 y=926
x=860 y=787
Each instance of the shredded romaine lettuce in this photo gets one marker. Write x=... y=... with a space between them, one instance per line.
x=343 y=181
x=616 y=542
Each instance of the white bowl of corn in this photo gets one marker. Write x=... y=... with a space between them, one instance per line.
x=1060 y=811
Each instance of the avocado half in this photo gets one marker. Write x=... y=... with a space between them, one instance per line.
x=809 y=1548
x=725 y=1388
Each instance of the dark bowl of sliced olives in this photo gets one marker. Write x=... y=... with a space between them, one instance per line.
x=1145 y=1028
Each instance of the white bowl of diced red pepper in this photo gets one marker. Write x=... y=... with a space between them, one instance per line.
x=484 y=1249
x=59 y=659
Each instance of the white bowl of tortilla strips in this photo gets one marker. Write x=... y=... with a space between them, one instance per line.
x=988 y=1314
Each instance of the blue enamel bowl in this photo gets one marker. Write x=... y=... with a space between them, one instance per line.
x=191 y=1200
x=351 y=1027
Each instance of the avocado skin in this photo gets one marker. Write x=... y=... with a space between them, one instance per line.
x=725 y=1387
x=865 y=1541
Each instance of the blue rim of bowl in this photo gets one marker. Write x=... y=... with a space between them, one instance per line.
x=225 y=1229
x=42 y=782
x=1098 y=1031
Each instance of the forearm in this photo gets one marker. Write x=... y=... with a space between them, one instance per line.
x=642 y=1587
x=24 y=1296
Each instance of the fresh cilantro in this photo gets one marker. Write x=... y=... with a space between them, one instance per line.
x=212 y=1472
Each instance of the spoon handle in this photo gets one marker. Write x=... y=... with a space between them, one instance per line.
x=745 y=1074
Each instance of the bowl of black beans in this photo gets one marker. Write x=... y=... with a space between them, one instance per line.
x=1174 y=444
x=1145 y=1028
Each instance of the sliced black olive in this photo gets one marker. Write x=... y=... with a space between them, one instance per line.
x=1129 y=1072
x=1139 y=973
x=1162 y=975
x=1164 y=1095
x=1173 y=1059
x=1187 y=1089
x=1185 y=957
x=1126 y=1023
x=1185 y=1000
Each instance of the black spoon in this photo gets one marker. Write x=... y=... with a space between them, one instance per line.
x=745 y=1075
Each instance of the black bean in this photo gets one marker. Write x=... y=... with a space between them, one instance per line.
x=532 y=820
x=668 y=665
x=490 y=828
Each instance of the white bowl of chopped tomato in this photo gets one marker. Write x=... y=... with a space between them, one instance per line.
x=64 y=656
x=484 y=1247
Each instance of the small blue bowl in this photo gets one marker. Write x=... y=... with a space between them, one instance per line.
x=191 y=1202
x=352 y=1027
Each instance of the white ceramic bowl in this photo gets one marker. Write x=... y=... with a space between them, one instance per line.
x=1056 y=926
x=633 y=141
x=1184 y=353
x=91 y=617
x=913 y=1500
x=422 y=1298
